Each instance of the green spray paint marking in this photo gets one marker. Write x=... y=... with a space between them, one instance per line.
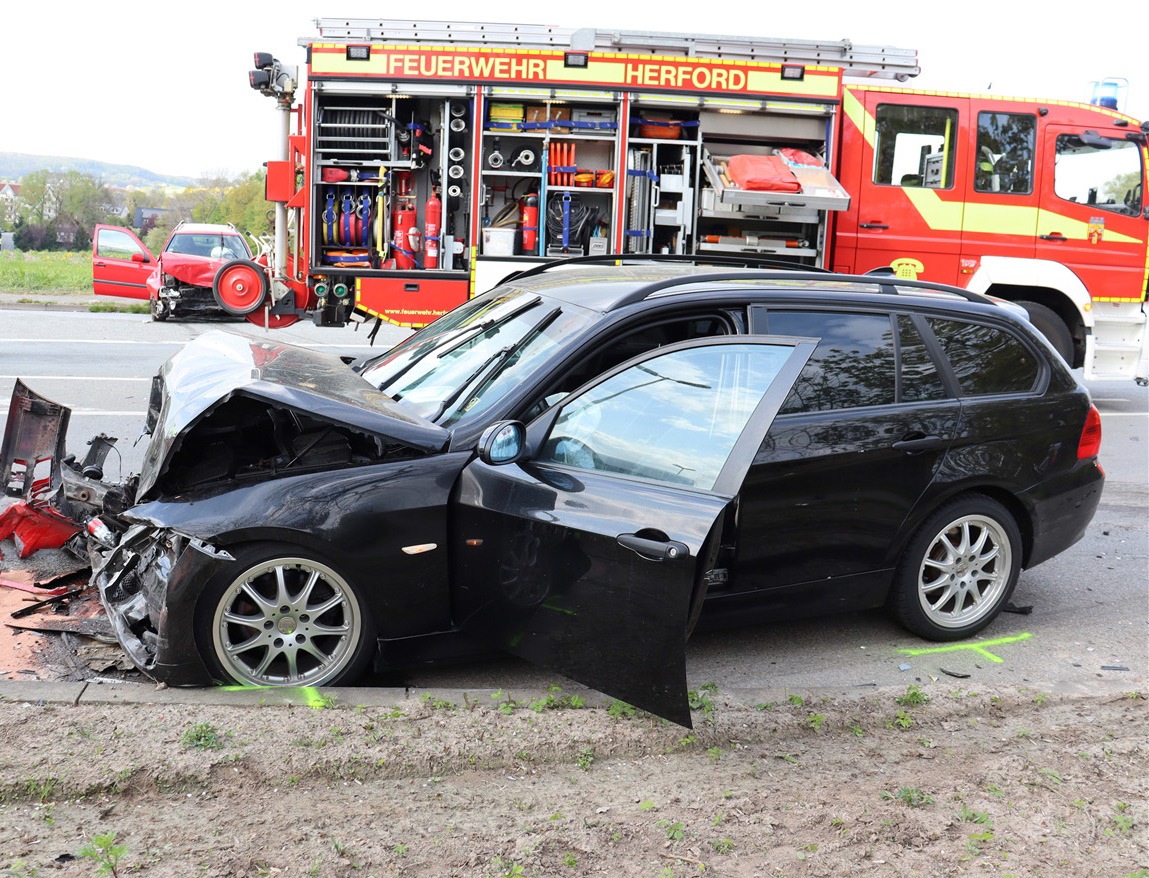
x=309 y=695
x=979 y=647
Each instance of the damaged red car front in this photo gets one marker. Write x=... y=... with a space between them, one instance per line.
x=202 y=268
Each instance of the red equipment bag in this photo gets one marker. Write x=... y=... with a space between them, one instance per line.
x=762 y=173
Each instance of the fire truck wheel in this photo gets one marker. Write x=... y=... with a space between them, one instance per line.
x=1052 y=327
x=240 y=287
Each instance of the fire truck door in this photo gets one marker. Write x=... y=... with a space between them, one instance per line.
x=901 y=156
x=1001 y=181
x=1092 y=205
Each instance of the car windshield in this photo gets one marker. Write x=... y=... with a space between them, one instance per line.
x=470 y=358
x=211 y=245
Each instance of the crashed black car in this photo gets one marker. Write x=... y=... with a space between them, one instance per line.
x=583 y=464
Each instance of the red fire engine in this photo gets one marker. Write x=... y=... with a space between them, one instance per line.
x=425 y=162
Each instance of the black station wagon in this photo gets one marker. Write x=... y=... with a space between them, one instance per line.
x=583 y=464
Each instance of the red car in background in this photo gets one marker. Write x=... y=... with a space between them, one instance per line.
x=203 y=268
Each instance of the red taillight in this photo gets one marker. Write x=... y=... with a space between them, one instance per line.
x=1090 y=442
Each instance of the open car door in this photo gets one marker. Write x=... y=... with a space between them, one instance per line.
x=588 y=553
x=121 y=264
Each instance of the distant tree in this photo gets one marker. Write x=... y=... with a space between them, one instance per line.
x=52 y=199
x=33 y=236
x=158 y=234
x=240 y=202
x=1116 y=189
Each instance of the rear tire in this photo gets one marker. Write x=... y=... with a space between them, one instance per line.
x=1047 y=322
x=278 y=615
x=958 y=570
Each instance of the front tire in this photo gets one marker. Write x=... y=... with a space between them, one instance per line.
x=281 y=616
x=159 y=309
x=958 y=570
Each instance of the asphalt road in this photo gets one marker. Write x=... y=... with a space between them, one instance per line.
x=1087 y=631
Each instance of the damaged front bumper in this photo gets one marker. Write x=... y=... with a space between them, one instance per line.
x=59 y=494
x=151 y=617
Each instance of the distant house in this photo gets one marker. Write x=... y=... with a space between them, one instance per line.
x=70 y=235
x=145 y=218
x=9 y=201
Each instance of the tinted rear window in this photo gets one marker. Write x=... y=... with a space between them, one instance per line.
x=986 y=359
x=852 y=366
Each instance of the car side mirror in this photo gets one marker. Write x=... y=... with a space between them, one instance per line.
x=502 y=443
x=139 y=257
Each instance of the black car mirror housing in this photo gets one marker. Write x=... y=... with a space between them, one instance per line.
x=501 y=443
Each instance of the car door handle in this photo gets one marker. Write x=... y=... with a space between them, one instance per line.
x=873 y=225
x=918 y=444
x=655 y=550
x=1054 y=236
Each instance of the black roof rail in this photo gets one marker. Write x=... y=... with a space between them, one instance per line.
x=754 y=268
x=890 y=286
x=662 y=258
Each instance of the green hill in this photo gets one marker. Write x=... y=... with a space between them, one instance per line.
x=14 y=165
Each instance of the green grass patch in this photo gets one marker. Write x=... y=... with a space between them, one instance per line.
x=109 y=308
x=42 y=271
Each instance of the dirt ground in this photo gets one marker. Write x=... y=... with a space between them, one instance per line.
x=968 y=783
x=940 y=780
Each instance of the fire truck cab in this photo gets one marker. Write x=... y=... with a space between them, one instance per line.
x=1039 y=202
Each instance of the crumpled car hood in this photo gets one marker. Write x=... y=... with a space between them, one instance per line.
x=218 y=366
x=196 y=271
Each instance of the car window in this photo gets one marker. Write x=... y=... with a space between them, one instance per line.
x=116 y=244
x=212 y=246
x=852 y=366
x=918 y=378
x=630 y=344
x=986 y=359
x=673 y=418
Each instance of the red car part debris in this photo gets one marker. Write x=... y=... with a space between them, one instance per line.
x=35 y=527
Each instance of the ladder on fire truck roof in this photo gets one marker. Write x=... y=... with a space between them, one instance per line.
x=862 y=61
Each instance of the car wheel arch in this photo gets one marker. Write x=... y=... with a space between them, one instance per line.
x=1021 y=514
x=218 y=592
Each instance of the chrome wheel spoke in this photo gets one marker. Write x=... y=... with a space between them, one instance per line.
x=321 y=609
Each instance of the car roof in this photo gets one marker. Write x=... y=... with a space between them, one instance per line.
x=205 y=229
x=606 y=288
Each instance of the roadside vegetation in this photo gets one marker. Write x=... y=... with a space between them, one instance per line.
x=41 y=271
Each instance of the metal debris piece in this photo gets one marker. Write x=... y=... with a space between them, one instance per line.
x=54 y=599
x=1011 y=607
x=35 y=526
x=96 y=627
x=957 y=674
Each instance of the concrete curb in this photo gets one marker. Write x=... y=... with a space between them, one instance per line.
x=11 y=302
x=106 y=692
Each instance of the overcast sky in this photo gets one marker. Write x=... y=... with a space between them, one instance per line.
x=167 y=89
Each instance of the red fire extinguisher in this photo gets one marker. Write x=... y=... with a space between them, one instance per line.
x=529 y=221
x=403 y=223
x=432 y=218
